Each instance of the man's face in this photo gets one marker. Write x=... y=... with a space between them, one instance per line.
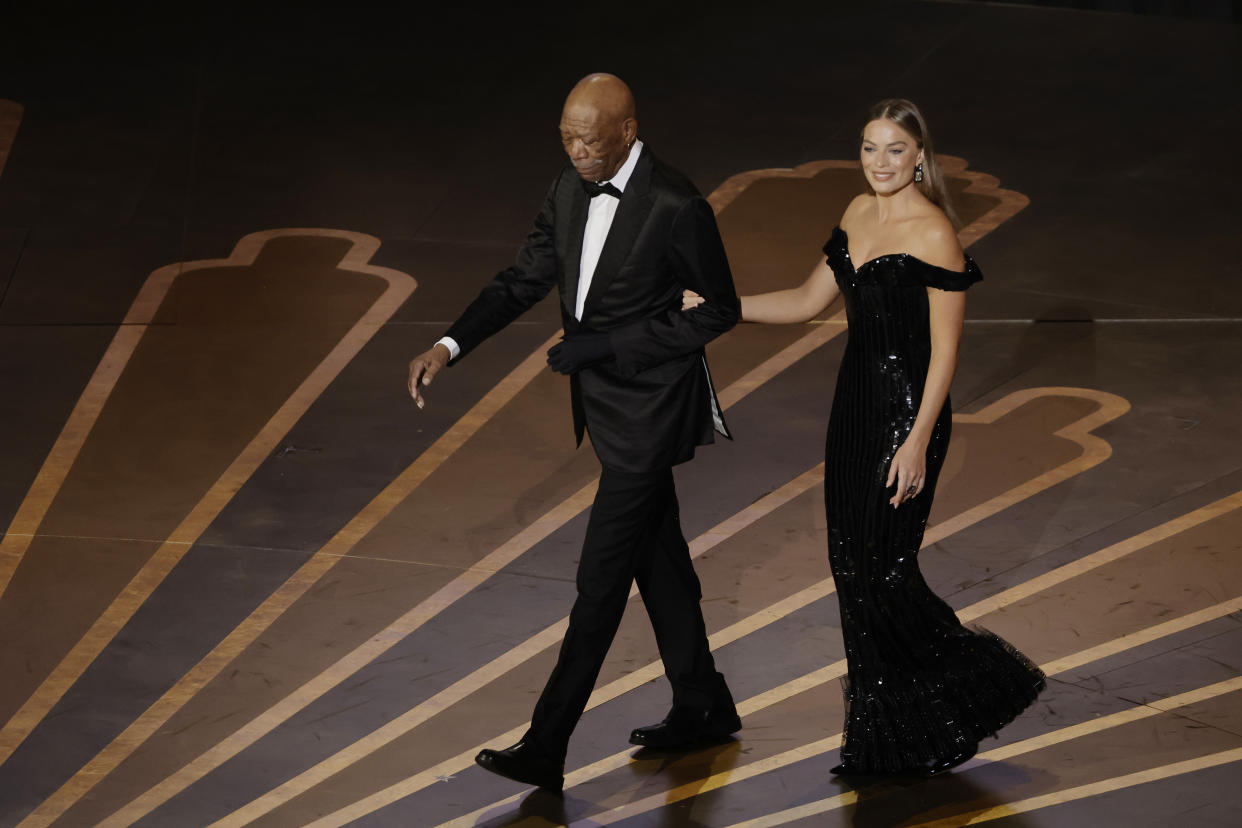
x=596 y=143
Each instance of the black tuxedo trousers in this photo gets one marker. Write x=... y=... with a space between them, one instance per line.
x=634 y=535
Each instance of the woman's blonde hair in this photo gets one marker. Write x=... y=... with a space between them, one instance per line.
x=906 y=115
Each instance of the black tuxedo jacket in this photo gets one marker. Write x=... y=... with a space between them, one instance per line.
x=650 y=406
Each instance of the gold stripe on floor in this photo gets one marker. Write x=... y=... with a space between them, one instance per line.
x=1104 y=786
x=1093 y=453
x=394 y=633
x=837 y=669
x=1065 y=734
x=144 y=582
x=398 y=288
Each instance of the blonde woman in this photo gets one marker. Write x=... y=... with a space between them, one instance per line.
x=922 y=690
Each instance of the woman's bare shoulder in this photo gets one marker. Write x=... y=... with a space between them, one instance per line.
x=935 y=241
x=857 y=207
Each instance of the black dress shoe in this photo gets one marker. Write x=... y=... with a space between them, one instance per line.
x=524 y=763
x=845 y=769
x=688 y=727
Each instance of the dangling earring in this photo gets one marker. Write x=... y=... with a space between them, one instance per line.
x=918 y=173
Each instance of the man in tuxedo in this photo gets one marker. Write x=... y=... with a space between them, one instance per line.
x=620 y=234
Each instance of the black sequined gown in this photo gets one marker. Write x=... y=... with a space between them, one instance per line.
x=920 y=687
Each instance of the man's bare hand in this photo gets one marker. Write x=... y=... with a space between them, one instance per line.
x=423 y=369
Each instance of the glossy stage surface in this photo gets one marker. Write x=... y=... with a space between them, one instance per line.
x=244 y=581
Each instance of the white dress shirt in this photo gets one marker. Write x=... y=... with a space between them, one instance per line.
x=599 y=221
x=600 y=214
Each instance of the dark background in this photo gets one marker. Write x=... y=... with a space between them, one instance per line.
x=155 y=134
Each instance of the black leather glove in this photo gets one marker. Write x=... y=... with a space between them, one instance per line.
x=574 y=353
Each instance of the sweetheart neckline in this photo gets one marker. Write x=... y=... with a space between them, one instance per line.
x=857 y=268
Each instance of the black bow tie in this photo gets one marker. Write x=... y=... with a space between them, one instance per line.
x=593 y=189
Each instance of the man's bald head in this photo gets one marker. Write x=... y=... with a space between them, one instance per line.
x=598 y=125
x=604 y=92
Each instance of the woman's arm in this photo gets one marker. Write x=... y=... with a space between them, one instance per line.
x=908 y=470
x=947 y=309
x=800 y=304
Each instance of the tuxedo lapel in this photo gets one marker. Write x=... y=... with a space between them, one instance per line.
x=578 y=203
x=630 y=217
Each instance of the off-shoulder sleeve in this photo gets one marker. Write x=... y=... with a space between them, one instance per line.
x=837 y=250
x=942 y=279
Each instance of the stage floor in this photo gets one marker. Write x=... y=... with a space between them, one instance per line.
x=245 y=581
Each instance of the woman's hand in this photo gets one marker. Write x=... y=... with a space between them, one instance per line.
x=690 y=299
x=908 y=470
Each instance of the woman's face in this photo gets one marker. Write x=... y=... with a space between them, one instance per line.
x=889 y=155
